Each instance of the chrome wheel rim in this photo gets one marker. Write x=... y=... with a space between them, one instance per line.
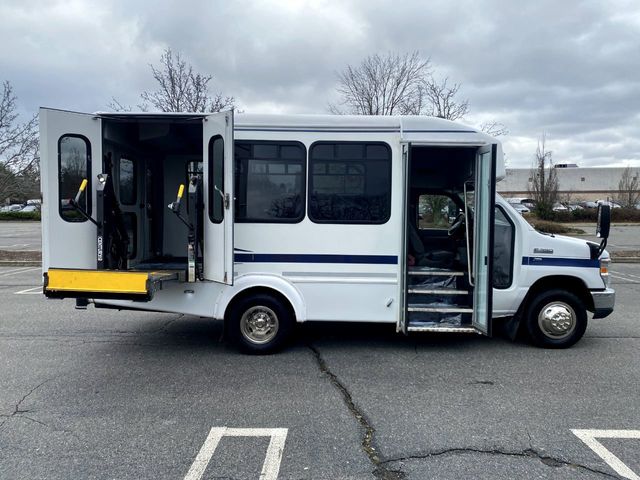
x=259 y=325
x=557 y=320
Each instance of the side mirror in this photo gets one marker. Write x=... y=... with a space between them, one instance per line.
x=604 y=221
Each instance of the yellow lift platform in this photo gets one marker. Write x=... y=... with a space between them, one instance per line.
x=106 y=284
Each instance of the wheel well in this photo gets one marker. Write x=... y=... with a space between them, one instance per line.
x=249 y=292
x=560 y=282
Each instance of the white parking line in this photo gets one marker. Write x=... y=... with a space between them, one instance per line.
x=626 y=274
x=589 y=438
x=626 y=279
x=18 y=271
x=14 y=270
x=271 y=465
x=30 y=291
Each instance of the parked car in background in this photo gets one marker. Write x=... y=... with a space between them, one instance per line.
x=558 y=207
x=574 y=206
x=612 y=204
x=520 y=208
x=11 y=208
x=30 y=208
x=528 y=203
x=589 y=205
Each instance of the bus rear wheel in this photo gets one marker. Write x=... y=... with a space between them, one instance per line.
x=259 y=324
x=556 y=319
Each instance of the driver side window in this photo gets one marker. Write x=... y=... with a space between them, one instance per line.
x=436 y=212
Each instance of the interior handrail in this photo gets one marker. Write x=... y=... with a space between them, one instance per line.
x=466 y=235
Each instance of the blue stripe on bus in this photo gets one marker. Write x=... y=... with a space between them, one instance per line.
x=315 y=258
x=560 y=262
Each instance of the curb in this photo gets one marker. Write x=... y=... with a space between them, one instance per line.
x=617 y=260
x=20 y=263
x=20 y=258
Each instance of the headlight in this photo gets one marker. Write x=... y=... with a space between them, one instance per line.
x=604 y=270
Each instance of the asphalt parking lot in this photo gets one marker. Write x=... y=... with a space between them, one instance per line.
x=16 y=236
x=103 y=394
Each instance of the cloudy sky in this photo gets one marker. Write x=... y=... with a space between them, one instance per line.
x=570 y=69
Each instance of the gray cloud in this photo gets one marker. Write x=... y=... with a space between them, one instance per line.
x=569 y=69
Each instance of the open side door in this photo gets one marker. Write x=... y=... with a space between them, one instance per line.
x=71 y=151
x=218 y=197
x=484 y=200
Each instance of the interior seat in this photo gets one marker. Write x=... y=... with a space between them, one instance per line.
x=428 y=258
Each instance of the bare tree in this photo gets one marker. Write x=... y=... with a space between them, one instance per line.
x=19 y=147
x=401 y=84
x=495 y=129
x=544 y=181
x=117 y=106
x=628 y=189
x=383 y=85
x=180 y=89
x=442 y=101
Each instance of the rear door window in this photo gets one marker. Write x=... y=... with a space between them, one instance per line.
x=74 y=165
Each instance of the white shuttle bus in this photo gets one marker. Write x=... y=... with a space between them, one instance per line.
x=263 y=221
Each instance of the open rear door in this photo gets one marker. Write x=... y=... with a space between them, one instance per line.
x=484 y=201
x=218 y=197
x=71 y=151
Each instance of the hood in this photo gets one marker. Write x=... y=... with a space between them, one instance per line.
x=544 y=245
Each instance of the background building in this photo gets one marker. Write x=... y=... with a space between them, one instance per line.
x=574 y=183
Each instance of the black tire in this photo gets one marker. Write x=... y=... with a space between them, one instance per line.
x=564 y=323
x=251 y=320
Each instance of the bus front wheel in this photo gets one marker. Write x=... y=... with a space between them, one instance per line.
x=556 y=319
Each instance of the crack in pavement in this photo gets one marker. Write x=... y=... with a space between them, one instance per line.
x=527 y=453
x=166 y=324
x=381 y=470
x=18 y=412
x=368 y=441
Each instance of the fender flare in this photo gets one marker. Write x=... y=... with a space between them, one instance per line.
x=273 y=282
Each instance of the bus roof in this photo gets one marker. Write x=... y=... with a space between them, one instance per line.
x=419 y=130
x=409 y=126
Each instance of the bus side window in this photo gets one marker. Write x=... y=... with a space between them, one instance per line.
x=350 y=182
x=503 y=244
x=270 y=181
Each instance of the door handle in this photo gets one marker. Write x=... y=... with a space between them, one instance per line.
x=226 y=199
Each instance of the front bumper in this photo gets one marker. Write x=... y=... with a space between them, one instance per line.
x=603 y=302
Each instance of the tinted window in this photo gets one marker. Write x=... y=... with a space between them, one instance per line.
x=216 y=176
x=74 y=163
x=350 y=182
x=503 y=238
x=270 y=181
x=127 y=181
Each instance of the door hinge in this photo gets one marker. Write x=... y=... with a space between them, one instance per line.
x=227 y=201
x=225 y=277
